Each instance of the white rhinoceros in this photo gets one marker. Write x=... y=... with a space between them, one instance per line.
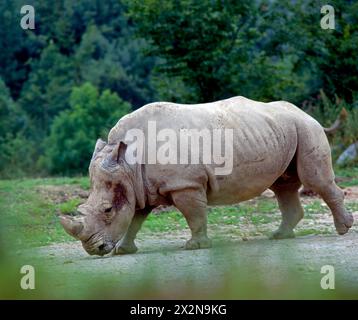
x=273 y=145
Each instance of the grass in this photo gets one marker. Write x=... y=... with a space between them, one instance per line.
x=223 y=215
x=30 y=219
x=69 y=207
x=349 y=174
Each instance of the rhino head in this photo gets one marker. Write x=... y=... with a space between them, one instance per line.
x=106 y=215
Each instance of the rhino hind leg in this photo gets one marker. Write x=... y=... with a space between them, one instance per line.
x=334 y=197
x=192 y=204
x=314 y=167
x=127 y=245
x=286 y=192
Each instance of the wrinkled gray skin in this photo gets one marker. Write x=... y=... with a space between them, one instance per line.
x=276 y=146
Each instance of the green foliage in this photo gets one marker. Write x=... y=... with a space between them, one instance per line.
x=69 y=207
x=75 y=131
x=115 y=64
x=212 y=47
x=266 y=50
x=349 y=176
x=16 y=151
x=48 y=88
x=72 y=43
x=326 y=111
x=16 y=46
x=339 y=62
x=351 y=127
x=17 y=156
x=12 y=118
x=197 y=40
x=29 y=218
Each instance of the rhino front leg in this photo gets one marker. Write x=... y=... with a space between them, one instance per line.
x=127 y=245
x=192 y=204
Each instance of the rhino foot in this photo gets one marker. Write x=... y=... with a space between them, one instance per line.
x=282 y=234
x=125 y=249
x=201 y=243
x=343 y=224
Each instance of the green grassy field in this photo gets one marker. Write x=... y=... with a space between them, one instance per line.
x=30 y=207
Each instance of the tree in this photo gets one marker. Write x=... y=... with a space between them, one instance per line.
x=74 y=131
x=116 y=64
x=321 y=58
x=17 y=152
x=48 y=88
x=198 y=41
x=12 y=118
x=338 y=60
x=16 y=47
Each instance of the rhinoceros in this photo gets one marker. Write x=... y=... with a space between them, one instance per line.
x=275 y=146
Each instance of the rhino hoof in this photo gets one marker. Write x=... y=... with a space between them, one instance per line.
x=125 y=249
x=342 y=227
x=279 y=234
x=194 y=244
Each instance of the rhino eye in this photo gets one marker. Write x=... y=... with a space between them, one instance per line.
x=108 y=210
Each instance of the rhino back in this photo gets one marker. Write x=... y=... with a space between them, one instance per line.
x=265 y=141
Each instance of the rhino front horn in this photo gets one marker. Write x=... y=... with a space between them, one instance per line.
x=72 y=226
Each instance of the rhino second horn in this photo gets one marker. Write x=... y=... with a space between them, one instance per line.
x=72 y=227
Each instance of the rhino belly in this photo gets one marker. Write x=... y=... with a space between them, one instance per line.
x=257 y=165
x=243 y=185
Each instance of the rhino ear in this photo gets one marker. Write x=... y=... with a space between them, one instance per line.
x=72 y=226
x=118 y=152
x=100 y=144
x=111 y=162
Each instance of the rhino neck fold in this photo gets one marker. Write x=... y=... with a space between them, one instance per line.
x=138 y=178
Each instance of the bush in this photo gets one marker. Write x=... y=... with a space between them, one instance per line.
x=17 y=156
x=326 y=111
x=74 y=132
x=16 y=151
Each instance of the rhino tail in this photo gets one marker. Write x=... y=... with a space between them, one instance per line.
x=337 y=124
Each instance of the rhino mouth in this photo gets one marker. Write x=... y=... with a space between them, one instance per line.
x=98 y=246
x=100 y=250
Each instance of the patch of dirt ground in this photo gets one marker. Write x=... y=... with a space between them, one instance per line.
x=62 y=193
